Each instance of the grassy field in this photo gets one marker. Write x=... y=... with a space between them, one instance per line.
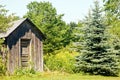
x=57 y=76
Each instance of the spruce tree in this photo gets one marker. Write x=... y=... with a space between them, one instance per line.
x=97 y=56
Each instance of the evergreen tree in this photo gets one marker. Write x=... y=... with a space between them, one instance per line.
x=98 y=55
x=70 y=32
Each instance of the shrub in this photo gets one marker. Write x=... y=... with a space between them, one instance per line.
x=2 y=67
x=24 y=71
x=3 y=61
x=63 y=61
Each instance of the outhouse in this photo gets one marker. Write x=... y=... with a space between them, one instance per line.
x=24 y=46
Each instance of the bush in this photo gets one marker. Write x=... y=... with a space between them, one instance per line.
x=62 y=61
x=2 y=67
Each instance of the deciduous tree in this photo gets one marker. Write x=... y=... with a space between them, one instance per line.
x=45 y=16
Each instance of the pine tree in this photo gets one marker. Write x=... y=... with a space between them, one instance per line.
x=98 y=55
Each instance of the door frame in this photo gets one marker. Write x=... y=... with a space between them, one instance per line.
x=20 y=52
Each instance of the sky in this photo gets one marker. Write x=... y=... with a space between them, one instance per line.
x=73 y=10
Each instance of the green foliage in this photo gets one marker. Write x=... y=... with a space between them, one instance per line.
x=115 y=29
x=98 y=54
x=2 y=67
x=62 y=61
x=44 y=15
x=71 y=31
x=112 y=10
x=1 y=41
x=3 y=19
x=26 y=71
x=113 y=6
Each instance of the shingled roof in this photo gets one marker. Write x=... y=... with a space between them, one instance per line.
x=15 y=25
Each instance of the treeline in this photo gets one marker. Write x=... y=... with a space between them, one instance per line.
x=96 y=37
x=58 y=33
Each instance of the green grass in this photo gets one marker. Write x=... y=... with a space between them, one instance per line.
x=57 y=76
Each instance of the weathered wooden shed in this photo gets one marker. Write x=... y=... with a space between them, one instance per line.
x=23 y=41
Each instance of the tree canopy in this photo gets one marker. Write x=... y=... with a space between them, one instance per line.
x=112 y=10
x=45 y=16
x=113 y=6
x=4 y=20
